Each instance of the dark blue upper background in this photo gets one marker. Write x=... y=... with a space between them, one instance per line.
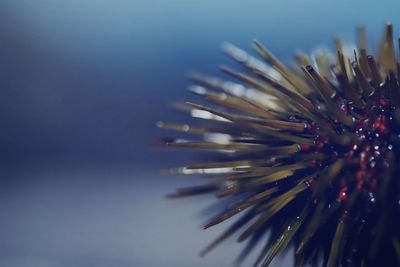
x=85 y=81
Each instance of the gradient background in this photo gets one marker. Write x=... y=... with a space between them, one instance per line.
x=82 y=83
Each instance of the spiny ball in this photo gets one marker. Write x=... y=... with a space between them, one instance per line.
x=310 y=154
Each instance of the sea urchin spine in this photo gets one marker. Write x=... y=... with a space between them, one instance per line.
x=311 y=155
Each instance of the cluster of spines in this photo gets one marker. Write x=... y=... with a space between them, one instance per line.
x=309 y=154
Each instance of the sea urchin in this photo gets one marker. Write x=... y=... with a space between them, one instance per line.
x=310 y=155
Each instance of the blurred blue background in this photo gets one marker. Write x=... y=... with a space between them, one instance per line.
x=82 y=84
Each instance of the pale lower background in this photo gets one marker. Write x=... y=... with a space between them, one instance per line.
x=104 y=217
